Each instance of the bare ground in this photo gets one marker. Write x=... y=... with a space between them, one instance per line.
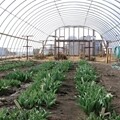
x=110 y=79
x=8 y=99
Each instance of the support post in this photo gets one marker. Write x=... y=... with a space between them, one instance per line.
x=73 y=41
x=69 y=44
x=64 y=43
x=55 y=44
x=107 y=55
x=89 y=50
x=79 y=41
x=93 y=43
x=58 y=48
x=27 y=46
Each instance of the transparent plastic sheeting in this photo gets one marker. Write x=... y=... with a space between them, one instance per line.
x=41 y=17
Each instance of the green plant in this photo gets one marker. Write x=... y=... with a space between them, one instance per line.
x=19 y=75
x=83 y=62
x=86 y=72
x=110 y=116
x=13 y=64
x=5 y=84
x=49 y=98
x=43 y=67
x=92 y=116
x=64 y=66
x=42 y=91
x=93 y=97
x=15 y=114
x=113 y=116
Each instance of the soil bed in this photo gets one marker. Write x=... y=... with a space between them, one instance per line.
x=67 y=107
x=8 y=100
x=110 y=79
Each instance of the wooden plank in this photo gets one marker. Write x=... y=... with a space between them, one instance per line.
x=89 y=47
x=76 y=40
x=17 y=104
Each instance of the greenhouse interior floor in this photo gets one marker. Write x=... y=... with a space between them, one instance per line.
x=110 y=79
x=66 y=107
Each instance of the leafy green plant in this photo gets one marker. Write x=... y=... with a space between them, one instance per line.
x=19 y=75
x=93 y=97
x=83 y=62
x=64 y=66
x=112 y=116
x=42 y=67
x=86 y=72
x=6 y=84
x=43 y=91
x=49 y=98
x=35 y=97
x=40 y=93
x=15 y=114
x=92 y=116
x=13 y=64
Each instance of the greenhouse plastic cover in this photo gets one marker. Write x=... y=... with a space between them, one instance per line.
x=41 y=17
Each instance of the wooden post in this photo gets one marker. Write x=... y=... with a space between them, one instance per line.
x=73 y=41
x=89 y=49
x=58 y=48
x=64 y=42
x=93 y=43
x=55 y=44
x=42 y=52
x=27 y=46
x=107 y=54
x=110 y=55
x=69 y=43
x=79 y=41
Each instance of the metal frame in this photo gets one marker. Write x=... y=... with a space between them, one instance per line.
x=46 y=16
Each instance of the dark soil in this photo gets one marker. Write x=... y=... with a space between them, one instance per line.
x=67 y=107
x=7 y=100
x=110 y=79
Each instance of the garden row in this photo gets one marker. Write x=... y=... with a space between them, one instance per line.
x=17 y=77
x=93 y=98
x=14 y=79
x=41 y=95
x=14 y=64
